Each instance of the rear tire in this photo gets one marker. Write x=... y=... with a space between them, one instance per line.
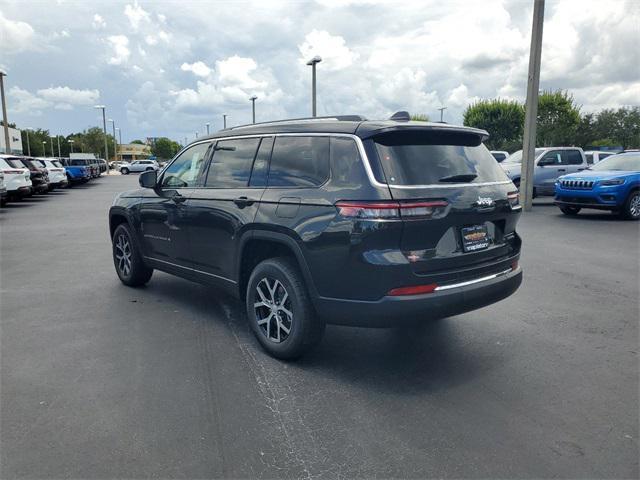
x=631 y=207
x=127 y=258
x=279 y=310
x=124 y=171
x=571 y=211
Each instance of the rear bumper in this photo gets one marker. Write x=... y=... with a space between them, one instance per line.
x=393 y=311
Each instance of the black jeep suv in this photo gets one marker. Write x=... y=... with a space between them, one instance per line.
x=328 y=220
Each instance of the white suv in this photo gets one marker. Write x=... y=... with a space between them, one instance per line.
x=17 y=180
x=139 y=166
x=57 y=173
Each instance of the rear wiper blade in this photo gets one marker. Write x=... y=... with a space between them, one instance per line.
x=465 y=177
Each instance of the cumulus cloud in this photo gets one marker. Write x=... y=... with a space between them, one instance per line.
x=197 y=68
x=69 y=96
x=120 y=46
x=98 y=22
x=16 y=36
x=23 y=101
x=136 y=15
x=59 y=98
x=332 y=48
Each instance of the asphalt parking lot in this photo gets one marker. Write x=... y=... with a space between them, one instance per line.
x=99 y=380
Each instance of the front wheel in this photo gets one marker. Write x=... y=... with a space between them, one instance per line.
x=631 y=207
x=127 y=258
x=280 y=311
x=571 y=211
x=124 y=171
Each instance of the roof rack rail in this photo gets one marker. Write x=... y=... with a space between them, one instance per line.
x=335 y=118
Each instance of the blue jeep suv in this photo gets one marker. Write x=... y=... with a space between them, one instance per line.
x=612 y=184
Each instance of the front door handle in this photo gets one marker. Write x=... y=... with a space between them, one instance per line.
x=177 y=198
x=562 y=169
x=580 y=169
x=243 y=202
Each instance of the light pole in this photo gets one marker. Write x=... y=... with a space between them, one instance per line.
x=224 y=120
x=7 y=145
x=313 y=62
x=28 y=143
x=442 y=109
x=58 y=139
x=253 y=107
x=119 y=142
x=104 y=130
x=44 y=148
x=113 y=125
x=207 y=128
x=51 y=140
x=71 y=143
x=196 y=135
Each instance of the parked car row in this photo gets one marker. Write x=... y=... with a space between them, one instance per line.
x=22 y=176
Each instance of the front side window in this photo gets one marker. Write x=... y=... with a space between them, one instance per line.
x=551 y=158
x=231 y=163
x=184 y=171
x=431 y=158
x=299 y=162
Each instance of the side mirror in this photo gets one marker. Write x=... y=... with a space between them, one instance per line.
x=148 y=179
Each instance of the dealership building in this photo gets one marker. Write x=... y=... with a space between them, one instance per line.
x=133 y=151
x=15 y=140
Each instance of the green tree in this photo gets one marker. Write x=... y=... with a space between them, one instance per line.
x=558 y=119
x=165 y=148
x=503 y=119
x=34 y=142
x=622 y=126
x=138 y=142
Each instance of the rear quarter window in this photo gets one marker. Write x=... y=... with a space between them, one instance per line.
x=299 y=162
x=432 y=158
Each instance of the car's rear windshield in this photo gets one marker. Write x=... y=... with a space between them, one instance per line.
x=625 y=163
x=16 y=163
x=78 y=161
x=428 y=158
x=56 y=163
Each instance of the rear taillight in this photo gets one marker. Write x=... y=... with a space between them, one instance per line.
x=392 y=210
x=414 y=290
x=13 y=172
x=514 y=199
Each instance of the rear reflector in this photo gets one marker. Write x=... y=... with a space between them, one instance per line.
x=514 y=265
x=389 y=210
x=415 y=290
x=514 y=198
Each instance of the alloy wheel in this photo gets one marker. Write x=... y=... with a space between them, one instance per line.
x=123 y=254
x=634 y=206
x=273 y=309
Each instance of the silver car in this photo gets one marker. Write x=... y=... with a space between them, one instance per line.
x=139 y=166
x=550 y=163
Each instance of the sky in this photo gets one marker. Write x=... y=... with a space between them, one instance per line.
x=166 y=68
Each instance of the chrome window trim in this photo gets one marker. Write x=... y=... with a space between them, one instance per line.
x=189 y=268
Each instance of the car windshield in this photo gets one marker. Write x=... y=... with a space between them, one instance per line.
x=428 y=157
x=625 y=163
x=516 y=157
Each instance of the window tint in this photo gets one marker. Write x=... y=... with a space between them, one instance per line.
x=299 y=162
x=261 y=163
x=231 y=163
x=183 y=172
x=573 y=157
x=346 y=166
x=589 y=157
x=428 y=158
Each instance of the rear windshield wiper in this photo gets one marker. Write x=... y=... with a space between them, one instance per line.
x=465 y=177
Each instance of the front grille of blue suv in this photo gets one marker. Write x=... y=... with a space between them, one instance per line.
x=328 y=220
x=612 y=184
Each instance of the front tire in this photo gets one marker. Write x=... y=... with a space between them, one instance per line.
x=571 y=211
x=124 y=171
x=127 y=258
x=631 y=207
x=279 y=310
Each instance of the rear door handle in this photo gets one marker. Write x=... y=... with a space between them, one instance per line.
x=562 y=169
x=243 y=202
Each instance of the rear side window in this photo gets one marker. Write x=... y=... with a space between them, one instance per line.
x=589 y=157
x=431 y=158
x=346 y=165
x=573 y=157
x=299 y=162
x=231 y=163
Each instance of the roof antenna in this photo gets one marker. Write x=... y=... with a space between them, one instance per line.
x=401 y=116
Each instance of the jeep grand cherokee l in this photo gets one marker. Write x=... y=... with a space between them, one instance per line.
x=330 y=220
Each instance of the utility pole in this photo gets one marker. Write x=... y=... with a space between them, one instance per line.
x=224 y=120
x=7 y=145
x=119 y=142
x=313 y=62
x=442 y=109
x=58 y=139
x=104 y=131
x=44 y=148
x=531 y=107
x=71 y=143
x=51 y=140
x=115 y=140
x=253 y=102
x=28 y=143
